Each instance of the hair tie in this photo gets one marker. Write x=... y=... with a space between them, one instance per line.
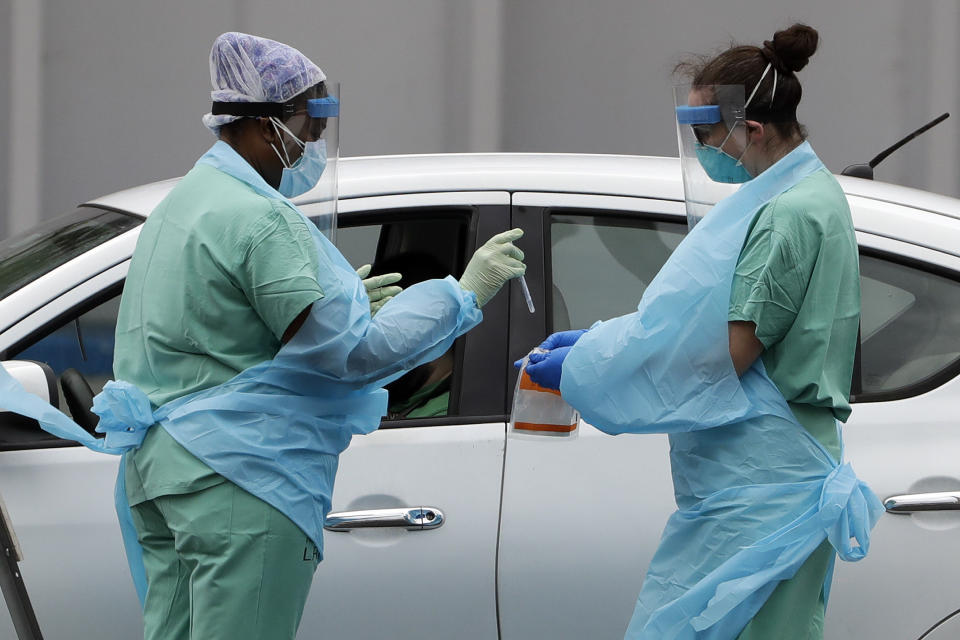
x=768 y=52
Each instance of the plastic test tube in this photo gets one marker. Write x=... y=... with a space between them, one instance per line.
x=526 y=294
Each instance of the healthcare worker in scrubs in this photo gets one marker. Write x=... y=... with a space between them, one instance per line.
x=742 y=349
x=249 y=322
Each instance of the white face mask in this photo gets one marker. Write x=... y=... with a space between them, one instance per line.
x=304 y=174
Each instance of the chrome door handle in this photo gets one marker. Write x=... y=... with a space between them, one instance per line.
x=910 y=503
x=409 y=518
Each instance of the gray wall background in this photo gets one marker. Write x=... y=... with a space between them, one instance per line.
x=106 y=94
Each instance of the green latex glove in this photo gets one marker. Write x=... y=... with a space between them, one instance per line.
x=497 y=261
x=379 y=288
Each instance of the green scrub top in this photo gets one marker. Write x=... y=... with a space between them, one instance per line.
x=798 y=279
x=432 y=401
x=219 y=273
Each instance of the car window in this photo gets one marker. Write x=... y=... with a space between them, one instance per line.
x=601 y=263
x=83 y=342
x=910 y=321
x=78 y=348
x=420 y=245
x=29 y=255
x=359 y=244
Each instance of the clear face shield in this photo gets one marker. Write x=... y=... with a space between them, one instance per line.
x=316 y=195
x=308 y=146
x=712 y=135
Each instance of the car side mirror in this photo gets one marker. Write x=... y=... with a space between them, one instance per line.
x=36 y=377
x=20 y=432
x=79 y=398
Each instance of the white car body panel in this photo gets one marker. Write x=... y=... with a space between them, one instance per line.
x=916 y=252
x=560 y=492
x=408 y=585
x=73 y=564
x=902 y=447
x=888 y=220
x=423 y=200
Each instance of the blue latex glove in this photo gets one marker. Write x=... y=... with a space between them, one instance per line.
x=545 y=368
x=558 y=339
x=562 y=339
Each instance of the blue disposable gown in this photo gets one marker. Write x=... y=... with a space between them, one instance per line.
x=277 y=429
x=756 y=493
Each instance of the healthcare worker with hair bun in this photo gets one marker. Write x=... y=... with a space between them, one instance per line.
x=742 y=350
x=247 y=356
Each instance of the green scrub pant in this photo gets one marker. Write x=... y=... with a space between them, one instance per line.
x=222 y=564
x=795 y=609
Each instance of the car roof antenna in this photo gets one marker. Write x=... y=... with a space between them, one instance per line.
x=866 y=170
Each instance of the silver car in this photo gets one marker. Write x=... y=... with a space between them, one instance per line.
x=492 y=534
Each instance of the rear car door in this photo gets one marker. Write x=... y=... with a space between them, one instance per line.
x=583 y=515
x=903 y=437
x=441 y=461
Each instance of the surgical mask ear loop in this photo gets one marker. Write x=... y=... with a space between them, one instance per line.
x=747 y=104
x=754 y=92
x=277 y=127
x=719 y=148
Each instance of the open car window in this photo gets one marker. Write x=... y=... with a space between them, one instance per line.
x=420 y=244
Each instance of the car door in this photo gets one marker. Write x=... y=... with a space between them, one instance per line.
x=378 y=578
x=583 y=515
x=373 y=581
x=903 y=438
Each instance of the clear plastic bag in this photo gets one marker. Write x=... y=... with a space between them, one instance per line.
x=540 y=411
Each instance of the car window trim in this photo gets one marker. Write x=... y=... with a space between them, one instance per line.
x=47 y=440
x=58 y=321
x=445 y=421
x=933 y=381
x=383 y=217
x=480 y=219
x=470 y=213
x=550 y=212
x=527 y=330
x=918 y=388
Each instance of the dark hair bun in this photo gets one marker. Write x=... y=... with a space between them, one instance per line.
x=791 y=48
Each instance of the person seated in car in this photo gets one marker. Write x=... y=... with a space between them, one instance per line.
x=423 y=392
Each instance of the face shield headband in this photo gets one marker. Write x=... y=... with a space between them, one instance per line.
x=711 y=114
x=328 y=107
x=720 y=165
